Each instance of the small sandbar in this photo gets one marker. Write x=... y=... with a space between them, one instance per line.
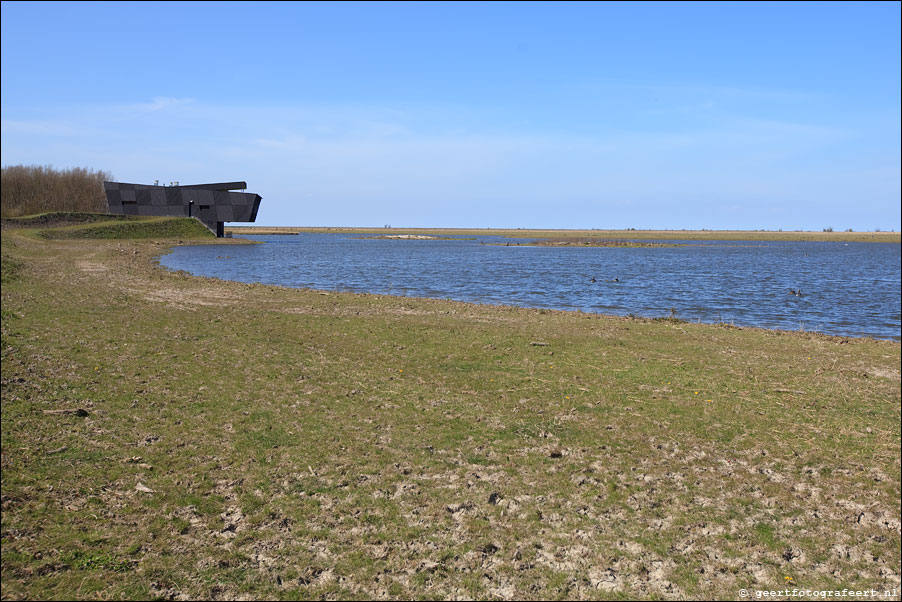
x=588 y=242
x=408 y=237
x=260 y=231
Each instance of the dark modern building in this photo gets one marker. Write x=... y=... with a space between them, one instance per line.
x=212 y=204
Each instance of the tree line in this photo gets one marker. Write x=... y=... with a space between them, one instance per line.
x=31 y=189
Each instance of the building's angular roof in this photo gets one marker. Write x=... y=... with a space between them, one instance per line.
x=213 y=204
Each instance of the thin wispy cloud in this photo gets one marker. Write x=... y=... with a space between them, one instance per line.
x=537 y=167
x=41 y=128
x=405 y=158
x=159 y=103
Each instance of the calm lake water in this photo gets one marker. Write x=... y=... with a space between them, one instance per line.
x=847 y=288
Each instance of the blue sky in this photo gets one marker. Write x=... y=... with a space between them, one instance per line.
x=583 y=115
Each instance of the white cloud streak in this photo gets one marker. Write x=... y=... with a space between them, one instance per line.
x=324 y=164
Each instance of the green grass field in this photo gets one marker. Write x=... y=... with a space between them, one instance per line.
x=173 y=437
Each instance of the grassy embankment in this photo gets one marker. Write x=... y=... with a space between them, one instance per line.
x=561 y=235
x=246 y=440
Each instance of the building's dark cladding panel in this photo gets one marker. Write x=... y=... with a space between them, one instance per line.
x=212 y=204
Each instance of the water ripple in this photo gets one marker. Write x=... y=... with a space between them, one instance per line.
x=847 y=289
